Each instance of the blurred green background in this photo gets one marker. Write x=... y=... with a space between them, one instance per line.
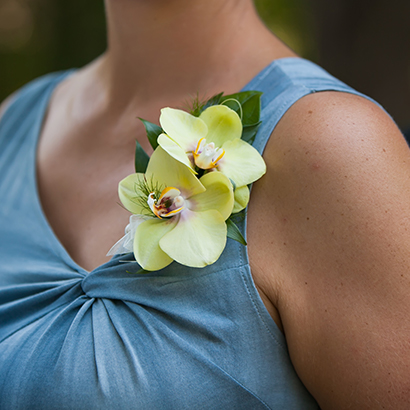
x=363 y=42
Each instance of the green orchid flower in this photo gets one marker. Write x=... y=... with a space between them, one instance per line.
x=176 y=216
x=212 y=142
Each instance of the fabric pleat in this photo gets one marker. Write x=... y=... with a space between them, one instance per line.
x=180 y=338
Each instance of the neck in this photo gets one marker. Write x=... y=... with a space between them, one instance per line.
x=178 y=48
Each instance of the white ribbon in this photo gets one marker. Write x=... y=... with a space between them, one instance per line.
x=126 y=243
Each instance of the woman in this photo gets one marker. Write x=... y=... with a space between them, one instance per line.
x=327 y=228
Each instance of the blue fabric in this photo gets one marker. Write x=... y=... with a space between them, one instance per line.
x=180 y=338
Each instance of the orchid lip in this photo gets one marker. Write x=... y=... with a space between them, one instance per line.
x=169 y=203
x=206 y=156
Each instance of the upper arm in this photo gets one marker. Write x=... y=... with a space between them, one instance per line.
x=338 y=194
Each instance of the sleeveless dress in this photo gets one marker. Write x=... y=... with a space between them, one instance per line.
x=180 y=338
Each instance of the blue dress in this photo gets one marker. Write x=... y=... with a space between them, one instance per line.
x=180 y=338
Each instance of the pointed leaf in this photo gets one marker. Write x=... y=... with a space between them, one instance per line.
x=252 y=110
x=215 y=100
x=250 y=102
x=234 y=233
x=139 y=272
x=198 y=106
x=141 y=159
x=153 y=130
x=249 y=132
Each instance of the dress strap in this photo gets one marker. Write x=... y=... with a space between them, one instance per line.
x=283 y=83
x=23 y=100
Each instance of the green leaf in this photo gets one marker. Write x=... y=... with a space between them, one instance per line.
x=249 y=132
x=139 y=272
x=252 y=110
x=215 y=100
x=250 y=102
x=199 y=106
x=153 y=130
x=141 y=159
x=250 y=113
x=234 y=232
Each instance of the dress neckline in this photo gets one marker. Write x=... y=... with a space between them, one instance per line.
x=43 y=109
x=40 y=117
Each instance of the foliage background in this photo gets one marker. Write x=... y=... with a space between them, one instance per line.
x=363 y=42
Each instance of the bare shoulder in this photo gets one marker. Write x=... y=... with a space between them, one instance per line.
x=329 y=230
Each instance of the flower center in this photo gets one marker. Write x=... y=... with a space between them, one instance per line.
x=168 y=204
x=206 y=156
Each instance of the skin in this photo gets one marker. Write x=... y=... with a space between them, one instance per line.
x=92 y=120
x=328 y=226
x=338 y=269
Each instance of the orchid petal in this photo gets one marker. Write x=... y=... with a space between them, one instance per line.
x=168 y=172
x=182 y=127
x=173 y=149
x=241 y=196
x=130 y=193
x=146 y=243
x=242 y=163
x=197 y=240
x=223 y=124
x=218 y=195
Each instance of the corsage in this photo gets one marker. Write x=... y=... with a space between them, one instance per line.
x=183 y=197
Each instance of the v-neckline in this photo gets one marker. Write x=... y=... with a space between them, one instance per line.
x=42 y=111
x=36 y=135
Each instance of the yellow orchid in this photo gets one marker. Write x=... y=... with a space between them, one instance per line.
x=176 y=216
x=212 y=142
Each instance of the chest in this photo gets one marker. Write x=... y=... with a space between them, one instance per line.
x=77 y=182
